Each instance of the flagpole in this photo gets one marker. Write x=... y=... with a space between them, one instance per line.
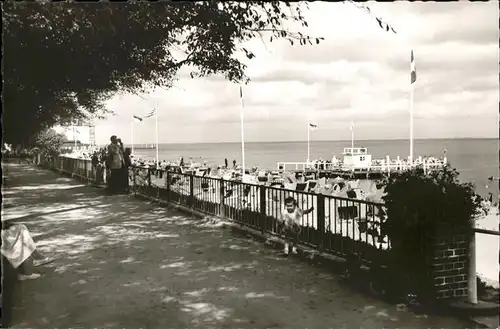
x=411 y=123
x=308 y=142
x=413 y=78
x=242 y=131
x=352 y=136
x=133 y=134
x=157 y=146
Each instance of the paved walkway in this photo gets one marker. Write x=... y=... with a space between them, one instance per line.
x=127 y=263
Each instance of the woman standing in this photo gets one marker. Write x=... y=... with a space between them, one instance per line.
x=115 y=163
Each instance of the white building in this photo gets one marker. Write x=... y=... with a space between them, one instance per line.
x=83 y=134
x=357 y=158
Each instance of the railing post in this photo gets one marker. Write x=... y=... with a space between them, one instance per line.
x=93 y=172
x=85 y=165
x=134 y=182
x=167 y=185
x=222 y=208
x=262 y=199
x=158 y=186
x=104 y=174
x=74 y=167
x=191 y=190
x=263 y=207
x=98 y=176
x=449 y=263
x=472 y=276
x=320 y=213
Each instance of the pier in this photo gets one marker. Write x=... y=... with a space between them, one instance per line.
x=361 y=169
x=143 y=146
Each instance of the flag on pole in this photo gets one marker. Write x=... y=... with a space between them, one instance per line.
x=242 y=133
x=150 y=114
x=137 y=118
x=352 y=126
x=313 y=126
x=413 y=73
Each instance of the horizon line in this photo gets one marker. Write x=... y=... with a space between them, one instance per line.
x=338 y=140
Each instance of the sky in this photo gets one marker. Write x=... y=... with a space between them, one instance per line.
x=358 y=74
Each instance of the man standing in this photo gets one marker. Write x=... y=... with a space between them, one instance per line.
x=115 y=163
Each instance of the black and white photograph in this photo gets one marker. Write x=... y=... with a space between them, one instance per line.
x=250 y=165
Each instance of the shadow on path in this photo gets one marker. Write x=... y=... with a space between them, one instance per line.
x=127 y=263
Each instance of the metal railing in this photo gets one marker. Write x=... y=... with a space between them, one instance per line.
x=339 y=226
x=80 y=168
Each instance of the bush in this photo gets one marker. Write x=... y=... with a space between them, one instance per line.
x=50 y=142
x=420 y=208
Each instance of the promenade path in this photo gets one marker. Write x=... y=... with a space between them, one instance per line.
x=127 y=263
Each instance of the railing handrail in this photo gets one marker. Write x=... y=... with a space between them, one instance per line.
x=384 y=165
x=485 y=231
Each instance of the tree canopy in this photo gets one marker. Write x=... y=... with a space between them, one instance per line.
x=62 y=60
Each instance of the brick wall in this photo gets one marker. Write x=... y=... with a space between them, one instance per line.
x=450 y=267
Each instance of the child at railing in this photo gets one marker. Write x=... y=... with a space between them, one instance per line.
x=290 y=223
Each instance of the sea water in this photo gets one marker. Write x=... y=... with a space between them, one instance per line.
x=475 y=159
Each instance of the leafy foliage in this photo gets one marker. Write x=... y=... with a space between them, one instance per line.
x=50 y=141
x=421 y=207
x=62 y=60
